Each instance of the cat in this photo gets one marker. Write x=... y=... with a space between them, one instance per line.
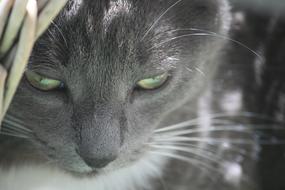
x=100 y=124
x=119 y=72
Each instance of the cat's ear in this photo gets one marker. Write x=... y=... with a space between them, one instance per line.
x=197 y=13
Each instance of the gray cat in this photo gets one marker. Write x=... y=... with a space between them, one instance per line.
x=104 y=95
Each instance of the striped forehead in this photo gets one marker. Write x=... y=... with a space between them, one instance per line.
x=116 y=8
x=73 y=7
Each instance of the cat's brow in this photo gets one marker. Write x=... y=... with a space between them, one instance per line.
x=73 y=8
x=116 y=8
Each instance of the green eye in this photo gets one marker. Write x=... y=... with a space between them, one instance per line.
x=153 y=83
x=41 y=82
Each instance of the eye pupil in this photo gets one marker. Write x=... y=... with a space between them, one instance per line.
x=61 y=86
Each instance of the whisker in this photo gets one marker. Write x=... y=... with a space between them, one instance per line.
x=5 y=128
x=200 y=71
x=11 y=124
x=177 y=37
x=12 y=116
x=13 y=135
x=159 y=18
x=226 y=147
x=190 y=124
x=194 y=162
x=237 y=129
x=221 y=140
x=200 y=165
x=196 y=152
x=200 y=130
x=61 y=33
x=208 y=33
x=216 y=116
x=179 y=144
x=232 y=148
x=11 y=120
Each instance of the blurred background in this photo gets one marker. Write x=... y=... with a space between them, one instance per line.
x=262 y=27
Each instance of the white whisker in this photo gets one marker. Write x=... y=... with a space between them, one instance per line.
x=216 y=117
x=228 y=148
x=221 y=140
x=61 y=33
x=13 y=135
x=159 y=18
x=180 y=144
x=11 y=124
x=10 y=117
x=205 y=139
x=200 y=71
x=239 y=129
x=194 y=162
x=208 y=33
x=177 y=37
x=190 y=124
x=227 y=38
x=14 y=130
x=196 y=152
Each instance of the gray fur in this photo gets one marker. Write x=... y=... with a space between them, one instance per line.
x=100 y=122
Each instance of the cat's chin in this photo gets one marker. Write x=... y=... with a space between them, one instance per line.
x=87 y=174
x=74 y=171
x=93 y=173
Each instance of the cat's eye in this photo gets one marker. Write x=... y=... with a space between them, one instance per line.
x=154 y=82
x=41 y=82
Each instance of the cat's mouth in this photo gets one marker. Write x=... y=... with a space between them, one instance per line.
x=80 y=169
x=90 y=174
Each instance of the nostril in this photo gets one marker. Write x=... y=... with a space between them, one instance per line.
x=98 y=163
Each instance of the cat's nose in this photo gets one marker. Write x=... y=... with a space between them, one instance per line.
x=100 y=144
x=98 y=154
x=98 y=162
x=101 y=137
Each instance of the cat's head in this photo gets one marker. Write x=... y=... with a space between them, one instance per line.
x=107 y=71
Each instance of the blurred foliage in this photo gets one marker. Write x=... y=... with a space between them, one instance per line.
x=262 y=5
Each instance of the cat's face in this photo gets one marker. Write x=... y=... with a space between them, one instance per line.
x=101 y=51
